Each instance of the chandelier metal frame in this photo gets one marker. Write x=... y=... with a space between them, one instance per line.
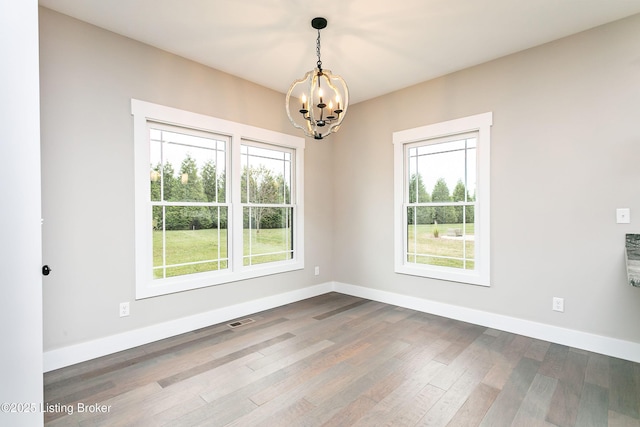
x=323 y=97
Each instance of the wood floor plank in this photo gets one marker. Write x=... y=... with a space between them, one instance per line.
x=535 y=405
x=616 y=419
x=554 y=361
x=335 y=405
x=413 y=363
x=537 y=350
x=593 y=410
x=287 y=416
x=198 y=369
x=351 y=413
x=448 y=376
x=343 y=360
x=280 y=402
x=112 y=367
x=414 y=410
x=452 y=400
x=566 y=398
x=172 y=413
x=248 y=385
x=501 y=367
x=506 y=359
x=340 y=310
x=623 y=390
x=360 y=378
x=304 y=372
x=475 y=407
x=393 y=402
x=598 y=370
x=508 y=401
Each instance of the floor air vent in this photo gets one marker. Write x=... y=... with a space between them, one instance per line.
x=239 y=323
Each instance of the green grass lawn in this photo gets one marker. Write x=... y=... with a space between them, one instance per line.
x=186 y=246
x=423 y=247
x=268 y=245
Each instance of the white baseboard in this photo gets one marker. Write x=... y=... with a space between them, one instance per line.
x=583 y=340
x=70 y=355
x=66 y=356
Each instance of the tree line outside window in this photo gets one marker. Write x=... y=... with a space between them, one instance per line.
x=440 y=193
x=190 y=184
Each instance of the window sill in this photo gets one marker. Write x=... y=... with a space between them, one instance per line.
x=470 y=277
x=149 y=288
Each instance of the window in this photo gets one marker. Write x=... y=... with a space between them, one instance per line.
x=441 y=185
x=216 y=201
x=187 y=201
x=267 y=212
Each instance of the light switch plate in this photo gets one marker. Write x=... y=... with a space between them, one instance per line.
x=623 y=215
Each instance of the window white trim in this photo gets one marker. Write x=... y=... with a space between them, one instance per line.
x=482 y=124
x=144 y=112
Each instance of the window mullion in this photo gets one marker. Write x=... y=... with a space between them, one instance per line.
x=236 y=228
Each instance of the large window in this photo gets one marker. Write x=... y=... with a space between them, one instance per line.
x=216 y=201
x=442 y=200
x=187 y=201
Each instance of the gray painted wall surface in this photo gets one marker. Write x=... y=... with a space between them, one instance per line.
x=565 y=149
x=88 y=77
x=565 y=154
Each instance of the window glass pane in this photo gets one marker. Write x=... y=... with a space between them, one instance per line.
x=417 y=189
x=471 y=170
x=440 y=167
x=449 y=243
x=267 y=235
x=158 y=236
x=469 y=234
x=155 y=172
x=194 y=240
x=189 y=168
x=266 y=175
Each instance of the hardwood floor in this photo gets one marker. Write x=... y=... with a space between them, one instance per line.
x=337 y=360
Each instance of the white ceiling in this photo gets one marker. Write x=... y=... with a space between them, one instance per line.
x=377 y=46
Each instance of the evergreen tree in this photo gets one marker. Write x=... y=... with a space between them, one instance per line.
x=156 y=180
x=215 y=191
x=459 y=195
x=169 y=182
x=189 y=188
x=418 y=194
x=440 y=193
x=210 y=182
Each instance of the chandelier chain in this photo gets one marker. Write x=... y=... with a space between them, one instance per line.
x=318 y=51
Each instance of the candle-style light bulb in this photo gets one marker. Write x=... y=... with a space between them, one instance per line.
x=304 y=101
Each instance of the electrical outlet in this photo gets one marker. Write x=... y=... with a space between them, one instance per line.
x=558 y=304
x=623 y=216
x=317 y=271
x=124 y=309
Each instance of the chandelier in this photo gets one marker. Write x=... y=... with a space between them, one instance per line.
x=320 y=99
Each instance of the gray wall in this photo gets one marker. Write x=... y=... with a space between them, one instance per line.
x=565 y=148
x=565 y=154
x=88 y=77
